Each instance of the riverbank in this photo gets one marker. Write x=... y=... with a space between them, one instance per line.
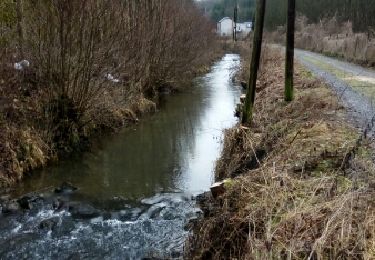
x=31 y=139
x=96 y=69
x=132 y=194
x=301 y=179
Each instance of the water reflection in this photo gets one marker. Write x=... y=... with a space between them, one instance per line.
x=173 y=150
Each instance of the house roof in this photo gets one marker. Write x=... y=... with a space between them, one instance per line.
x=225 y=18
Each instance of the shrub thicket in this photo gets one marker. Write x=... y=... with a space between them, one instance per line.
x=91 y=61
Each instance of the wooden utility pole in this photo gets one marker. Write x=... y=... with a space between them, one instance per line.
x=289 y=60
x=235 y=21
x=255 y=61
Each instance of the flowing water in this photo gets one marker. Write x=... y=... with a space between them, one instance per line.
x=135 y=189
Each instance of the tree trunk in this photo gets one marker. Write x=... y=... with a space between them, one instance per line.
x=235 y=22
x=289 y=60
x=20 y=27
x=255 y=61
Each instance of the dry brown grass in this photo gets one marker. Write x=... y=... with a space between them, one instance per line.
x=311 y=196
x=330 y=38
x=22 y=148
x=26 y=134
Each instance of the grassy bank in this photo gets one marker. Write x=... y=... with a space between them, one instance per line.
x=301 y=180
x=362 y=84
x=31 y=137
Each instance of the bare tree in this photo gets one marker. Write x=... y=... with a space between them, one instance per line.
x=20 y=27
x=81 y=50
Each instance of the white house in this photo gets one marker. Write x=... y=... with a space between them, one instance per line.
x=225 y=27
x=243 y=29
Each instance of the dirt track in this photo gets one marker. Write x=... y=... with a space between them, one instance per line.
x=353 y=84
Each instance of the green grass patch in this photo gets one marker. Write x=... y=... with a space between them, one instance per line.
x=363 y=87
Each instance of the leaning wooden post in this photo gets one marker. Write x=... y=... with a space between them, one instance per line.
x=255 y=61
x=289 y=60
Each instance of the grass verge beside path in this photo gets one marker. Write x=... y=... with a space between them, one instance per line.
x=303 y=182
x=362 y=84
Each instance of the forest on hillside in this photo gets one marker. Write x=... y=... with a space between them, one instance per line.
x=356 y=11
x=218 y=9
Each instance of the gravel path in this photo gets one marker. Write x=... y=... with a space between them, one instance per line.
x=361 y=108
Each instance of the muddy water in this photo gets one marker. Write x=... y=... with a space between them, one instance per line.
x=135 y=189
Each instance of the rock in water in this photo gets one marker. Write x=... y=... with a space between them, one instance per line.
x=10 y=207
x=25 y=202
x=83 y=211
x=66 y=187
x=58 y=204
x=4 y=198
x=49 y=224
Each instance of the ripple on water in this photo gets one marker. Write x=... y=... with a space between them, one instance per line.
x=155 y=230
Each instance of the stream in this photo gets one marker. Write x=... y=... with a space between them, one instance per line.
x=135 y=190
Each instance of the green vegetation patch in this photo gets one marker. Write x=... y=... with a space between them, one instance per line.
x=365 y=87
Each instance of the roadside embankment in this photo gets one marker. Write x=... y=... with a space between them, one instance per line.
x=300 y=181
x=355 y=47
x=332 y=39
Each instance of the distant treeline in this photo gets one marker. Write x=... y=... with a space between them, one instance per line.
x=360 y=12
x=218 y=9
